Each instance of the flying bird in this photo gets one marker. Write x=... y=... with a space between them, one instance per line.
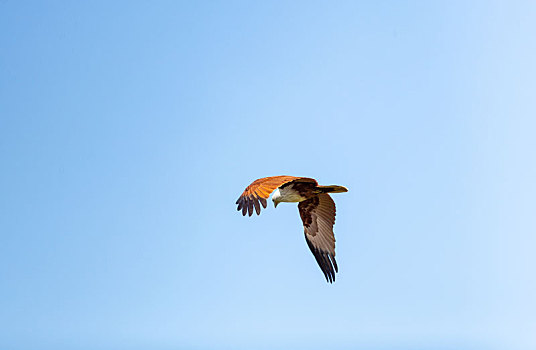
x=317 y=211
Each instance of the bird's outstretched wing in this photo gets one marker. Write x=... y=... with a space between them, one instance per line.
x=318 y=216
x=260 y=190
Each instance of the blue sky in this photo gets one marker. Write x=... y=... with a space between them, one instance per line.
x=129 y=129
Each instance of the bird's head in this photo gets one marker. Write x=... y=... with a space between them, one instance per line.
x=276 y=197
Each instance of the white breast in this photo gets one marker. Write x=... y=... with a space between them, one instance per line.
x=288 y=194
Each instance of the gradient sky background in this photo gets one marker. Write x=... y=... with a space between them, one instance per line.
x=129 y=129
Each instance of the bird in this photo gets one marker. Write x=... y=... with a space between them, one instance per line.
x=315 y=205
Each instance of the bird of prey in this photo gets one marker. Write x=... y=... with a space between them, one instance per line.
x=317 y=211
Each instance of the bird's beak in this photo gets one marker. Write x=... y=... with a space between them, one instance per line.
x=275 y=204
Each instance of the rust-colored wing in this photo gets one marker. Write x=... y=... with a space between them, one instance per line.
x=260 y=190
x=318 y=216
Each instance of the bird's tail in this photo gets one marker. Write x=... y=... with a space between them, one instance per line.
x=332 y=189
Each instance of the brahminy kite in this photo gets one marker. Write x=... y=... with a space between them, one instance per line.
x=317 y=211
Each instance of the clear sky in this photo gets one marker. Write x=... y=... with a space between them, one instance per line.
x=129 y=129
